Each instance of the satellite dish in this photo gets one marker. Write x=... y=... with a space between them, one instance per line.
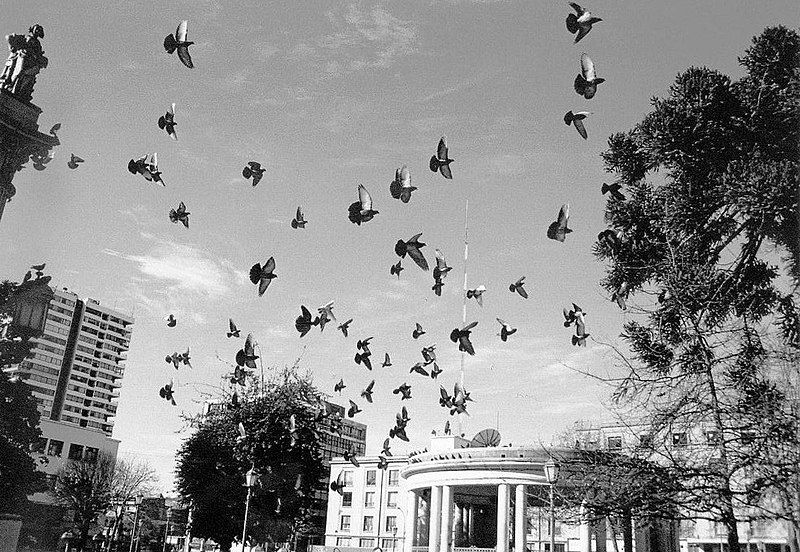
x=486 y=438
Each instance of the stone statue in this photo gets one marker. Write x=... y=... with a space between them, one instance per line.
x=25 y=59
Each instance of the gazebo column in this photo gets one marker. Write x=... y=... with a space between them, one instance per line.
x=435 y=513
x=447 y=518
x=520 y=519
x=502 y=517
x=599 y=526
x=410 y=531
x=471 y=524
x=585 y=530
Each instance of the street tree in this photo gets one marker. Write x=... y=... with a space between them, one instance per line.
x=281 y=419
x=131 y=477
x=706 y=249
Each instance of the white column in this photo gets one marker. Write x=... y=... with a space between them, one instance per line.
x=409 y=533
x=585 y=530
x=600 y=534
x=435 y=511
x=470 y=524
x=447 y=518
x=520 y=519
x=502 y=517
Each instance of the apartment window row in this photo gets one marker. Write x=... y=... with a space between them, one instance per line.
x=49 y=359
x=65 y=301
x=369 y=499
x=85 y=349
x=50 y=348
x=86 y=339
x=58 y=330
x=97 y=425
x=70 y=408
x=39 y=378
x=40 y=368
x=74 y=398
x=42 y=390
x=60 y=318
x=61 y=310
x=54 y=339
x=87 y=329
x=70 y=419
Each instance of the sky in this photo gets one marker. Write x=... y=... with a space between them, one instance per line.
x=327 y=95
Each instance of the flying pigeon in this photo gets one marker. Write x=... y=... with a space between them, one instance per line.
x=263 y=275
x=447 y=427
x=363 y=344
x=477 y=294
x=435 y=371
x=576 y=119
x=179 y=42
x=441 y=269
x=401 y=187
x=418 y=331
x=326 y=310
x=167 y=393
x=441 y=162
x=613 y=189
x=396 y=269
x=363 y=358
x=335 y=423
x=339 y=386
x=399 y=432
x=73 y=161
x=580 y=22
x=579 y=340
x=518 y=286
x=171 y=320
x=179 y=214
x=54 y=129
x=298 y=221
x=437 y=286
x=234 y=331
x=429 y=354
x=338 y=485
x=149 y=170
x=367 y=392
x=445 y=400
x=419 y=369
x=586 y=82
x=559 y=229
x=620 y=295
x=167 y=122
x=405 y=390
x=383 y=463
x=185 y=358
x=505 y=330
x=353 y=410
x=412 y=249
x=253 y=169
x=344 y=326
x=610 y=238
x=39 y=161
x=361 y=210
x=386 y=361
x=304 y=322
x=174 y=359
x=350 y=456
x=385 y=450
x=239 y=376
x=462 y=338
x=246 y=356
x=460 y=398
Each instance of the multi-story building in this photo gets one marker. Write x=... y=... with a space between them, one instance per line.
x=74 y=371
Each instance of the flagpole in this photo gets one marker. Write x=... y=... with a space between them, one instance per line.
x=464 y=298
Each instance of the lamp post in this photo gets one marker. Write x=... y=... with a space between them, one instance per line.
x=394 y=537
x=139 y=498
x=250 y=480
x=551 y=474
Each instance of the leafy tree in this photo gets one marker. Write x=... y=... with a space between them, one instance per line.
x=19 y=416
x=711 y=177
x=212 y=462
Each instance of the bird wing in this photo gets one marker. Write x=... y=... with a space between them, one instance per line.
x=579 y=10
x=446 y=172
x=469 y=326
x=580 y=128
x=404 y=177
x=299 y=214
x=181 y=33
x=172 y=110
x=255 y=273
x=185 y=57
x=441 y=150
x=270 y=266
x=417 y=256
x=232 y=326
x=587 y=67
x=441 y=263
x=583 y=30
x=563 y=217
x=364 y=198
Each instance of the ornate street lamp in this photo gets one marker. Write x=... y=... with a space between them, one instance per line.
x=551 y=470
x=139 y=499
x=250 y=480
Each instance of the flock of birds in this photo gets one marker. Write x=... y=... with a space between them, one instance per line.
x=361 y=212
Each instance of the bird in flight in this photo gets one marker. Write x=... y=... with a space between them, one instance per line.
x=74 y=160
x=385 y=450
x=477 y=294
x=613 y=189
x=580 y=22
x=350 y=456
x=412 y=248
x=167 y=122
x=233 y=331
x=418 y=331
x=401 y=187
x=179 y=215
x=559 y=229
x=167 y=393
x=403 y=390
x=519 y=287
x=576 y=119
x=344 y=326
x=419 y=368
x=587 y=80
x=461 y=336
x=441 y=269
x=149 y=170
x=505 y=330
x=441 y=161
x=396 y=269
x=361 y=211
x=367 y=392
x=386 y=361
x=171 y=320
x=353 y=410
x=179 y=41
x=339 y=386
x=338 y=485
x=429 y=353
x=304 y=322
x=262 y=276
x=246 y=356
x=299 y=221
x=40 y=161
x=435 y=371
x=253 y=170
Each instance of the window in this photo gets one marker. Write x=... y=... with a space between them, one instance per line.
x=55 y=448
x=680 y=439
x=394 y=478
x=90 y=455
x=342 y=541
x=344 y=524
x=347 y=499
x=348 y=478
x=712 y=437
x=75 y=452
x=369 y=499
x=614 y=443
x=40 y=446
x=366 y=543
x=645 y=440
x=371 y=474
x=391 y=522
x=369 y=524
x=388 y=543
x=391 y=499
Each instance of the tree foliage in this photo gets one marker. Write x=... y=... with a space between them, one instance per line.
x=711 y=177
x=212 y=462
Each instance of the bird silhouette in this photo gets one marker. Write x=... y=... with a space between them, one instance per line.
x=361 y=211
x=40 y=161
x=441 y=161
x=344 y=326
x=587 y=80
x=167 y=393
x=386 y=361
x=429 y=353
x=363 y=344
x=148 y=169
x=477 y=294
x=171 y=320
x=180 y=42
x=167 y=122
x=419 y=369
x=353 y=410
x=367 y=392
x=262 y=276
x=412 y=248
x=299 y=221
x=580 y=22
x=246 y=356
x=304 y=322
x=461 y=336
x=396 y=269
x=350 y=456
x=404 y=390
x=505 y=330
x=435 y=371
x=253 y=170
x=401 y=188
x=174 y=359
x=74 y=160
x=418 y=331
x=559 y=229
x=383 y=463
x=233 y=331
x=363 y=358
x=385 y=450
x=613 y=189
x=338 y=485
x=441 y=269
x=519 y=287
x=337 y=388
x=576 y=119
x=180 y=215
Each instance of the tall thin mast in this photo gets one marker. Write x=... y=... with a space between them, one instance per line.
x=464 y=306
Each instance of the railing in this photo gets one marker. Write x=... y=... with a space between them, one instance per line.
x=472 y=549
